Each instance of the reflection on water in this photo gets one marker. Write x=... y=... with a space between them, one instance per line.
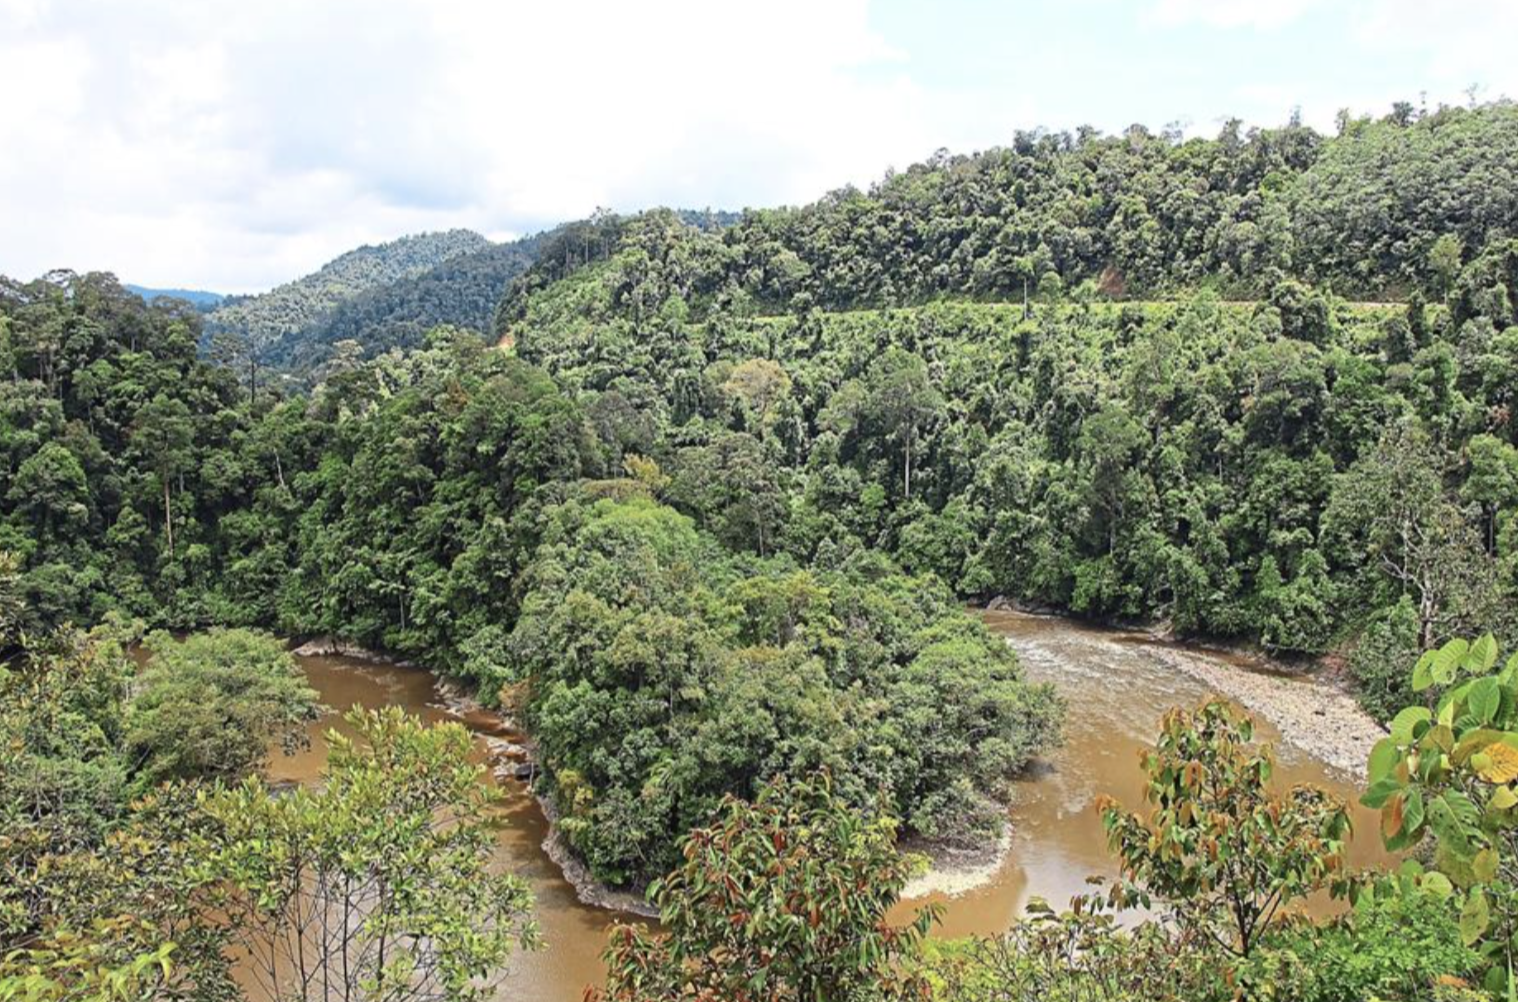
x=1117 y=689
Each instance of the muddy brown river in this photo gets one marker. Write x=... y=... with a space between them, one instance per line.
x=1117 y=686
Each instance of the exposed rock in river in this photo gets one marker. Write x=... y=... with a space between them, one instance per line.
x=589 y=890
x=326 y=647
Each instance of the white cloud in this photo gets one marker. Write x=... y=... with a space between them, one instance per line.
x=233 y=145
x=1231 y=13
x=1449 y=44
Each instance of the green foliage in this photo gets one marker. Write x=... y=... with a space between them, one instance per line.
x=64 y=774
x=1221 y=853
x=1081 y=954
x=380 y=883
x=281 y=325
x=1380 y=659
x=105 y=899
x=1445 y=775
x=1219 y=466
x=949 y=373
x=779 y=900
x=86 y=968
x=1137 y=214
x=461 y=290
x=130 y=913
x=1196 y=461
x=1393 y=510
x=1436 y=183
x=660 y=675
x=1388 y=948
x=210 y=706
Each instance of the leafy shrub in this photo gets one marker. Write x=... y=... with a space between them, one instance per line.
x=1079 y=955
x=1379 y=662
x=1393 y=948
x=781 y=900
x=1445 y=776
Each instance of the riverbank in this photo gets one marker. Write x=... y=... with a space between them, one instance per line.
x=588 y=889
x=1311 y=715
x=952 y=872
x=1314 y=716
x=1323 y=735
x=328 y=647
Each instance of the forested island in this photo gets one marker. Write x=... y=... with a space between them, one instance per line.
x=701 y=501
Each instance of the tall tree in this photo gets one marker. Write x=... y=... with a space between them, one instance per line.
x=164 y=433
x=904 y=403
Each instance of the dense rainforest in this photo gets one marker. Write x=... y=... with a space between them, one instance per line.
x=392 y=287
x=699 y=499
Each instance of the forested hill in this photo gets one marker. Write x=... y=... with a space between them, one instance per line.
x=1386 y=207
x=1250 y=455
x=289 y=322
x=461 y=291
x=387 y=296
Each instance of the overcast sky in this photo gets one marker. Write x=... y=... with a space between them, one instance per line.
x=233 y=146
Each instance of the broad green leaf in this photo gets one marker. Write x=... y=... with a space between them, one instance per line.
x=1383 y=759
x=1440 y=737
x=1447 y=660
x=1402 y=724
x=1423 y=672
x=1412 y=812
x=1482 y=655
x=1485 y=699
x=1510 y=670
x=1438 y=885
x=1468 y=813
x=1475 y=916
x=1446 y=823
x=1380 y=792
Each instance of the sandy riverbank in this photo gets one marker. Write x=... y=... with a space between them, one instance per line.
x=1312 y=715
x=952 y=872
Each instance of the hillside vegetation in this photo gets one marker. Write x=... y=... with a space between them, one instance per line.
x=278 y=326
x=1385 y=208
x=461 y=291
x=703 y=513
x=1295 y=470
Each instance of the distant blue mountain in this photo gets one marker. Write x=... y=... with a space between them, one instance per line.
x=204 y=300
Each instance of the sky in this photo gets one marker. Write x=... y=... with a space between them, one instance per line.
x=234 y=146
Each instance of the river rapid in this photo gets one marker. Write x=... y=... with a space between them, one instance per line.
x=1118 y=686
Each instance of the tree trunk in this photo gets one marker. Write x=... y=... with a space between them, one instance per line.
x=909 y=468
x=168 y=517
x=1428 y=612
